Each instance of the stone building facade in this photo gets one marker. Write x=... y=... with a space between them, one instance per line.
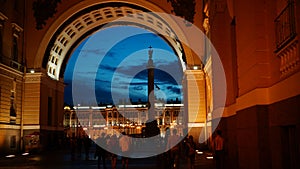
x=256 y=41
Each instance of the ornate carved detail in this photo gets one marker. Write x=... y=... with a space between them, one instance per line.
x=43 y=10
x=33 y=78
x=184 y=9
x=3 y=18
x=290 y=60
x=16 y=30
x=95 y=17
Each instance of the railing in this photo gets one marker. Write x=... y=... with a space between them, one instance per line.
x=11 y=63
x=285 y=26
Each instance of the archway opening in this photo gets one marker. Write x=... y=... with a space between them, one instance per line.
x=116 y=62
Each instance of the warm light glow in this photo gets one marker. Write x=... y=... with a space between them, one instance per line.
x=209 y=157
x=32 y=71
x=82 y=107
x=174 y=105
x=10 y=156
x=98 y=108
x=101 y=125
x=25 y=154
x=199 y=152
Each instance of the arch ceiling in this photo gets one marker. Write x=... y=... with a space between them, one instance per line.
x=92 y=18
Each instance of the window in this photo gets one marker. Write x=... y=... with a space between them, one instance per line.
x=2 y=21
x=285 y=26
x=16 y=29
x=15 y=49
x=12 y=111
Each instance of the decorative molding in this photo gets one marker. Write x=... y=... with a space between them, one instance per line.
x=3 y=18
x=91 y=19
x=31 y=127
x=266 y=96
x=33 y=78
x=184 y=9
x=43 y=10
x=10 y=72
x=16 y=30
x=16 y=27
x=206 y=25
x=10 y=126
x=290 y=60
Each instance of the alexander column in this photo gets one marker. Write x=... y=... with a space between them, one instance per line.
x=150 y=67
x=151 y=125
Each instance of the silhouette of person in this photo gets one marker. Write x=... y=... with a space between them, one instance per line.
x=87 y=145
x=124 y=143
x=218 y=146
x=79 y=145
x=113 y=146
x=190 y=152
x=101 y=152
x=73 y=147
x=173 y=146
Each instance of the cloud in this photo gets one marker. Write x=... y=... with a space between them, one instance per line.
x=175 y=89
x=138 y=88
x=118 y=62
x=106 y=67
x=86 y=52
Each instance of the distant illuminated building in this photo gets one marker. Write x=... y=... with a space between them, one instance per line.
x=113 y=119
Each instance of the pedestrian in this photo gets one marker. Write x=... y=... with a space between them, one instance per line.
x=124 y=143
x=73 y=147
x=173 y=146
x=79 y=145
x=166 y=162
x=218 y=146
x=87 y=144
x=101 y=152
x=113 y=147
x=190 y=152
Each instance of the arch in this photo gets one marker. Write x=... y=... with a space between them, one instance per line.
x=90 y=15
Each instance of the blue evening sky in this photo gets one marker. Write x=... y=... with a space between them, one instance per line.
x=116 y=60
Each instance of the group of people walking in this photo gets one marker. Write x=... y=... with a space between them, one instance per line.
x=113 y=145
x=80 y=144
x=177 y=150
